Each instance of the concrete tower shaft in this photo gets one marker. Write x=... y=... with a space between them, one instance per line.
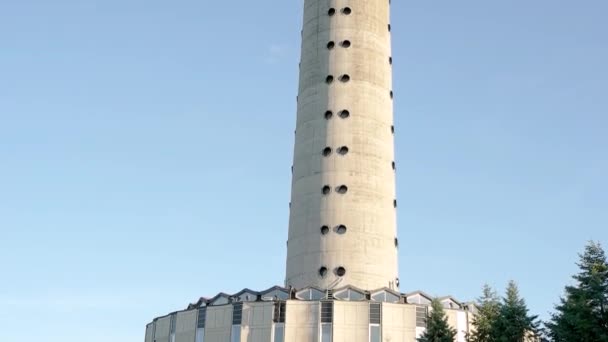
x=342 y=225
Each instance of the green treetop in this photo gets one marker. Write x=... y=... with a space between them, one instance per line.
x=582 y=313
x=513 y=323
x=488 y=311
x=437 y=327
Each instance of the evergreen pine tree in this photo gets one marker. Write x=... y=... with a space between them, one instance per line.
x=513 y=323
x=437 y=327
x=582 y=313
x=488 y=311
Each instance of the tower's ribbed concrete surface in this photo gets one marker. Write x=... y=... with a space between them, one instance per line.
x=342 y=226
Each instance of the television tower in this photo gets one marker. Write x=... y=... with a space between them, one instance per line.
x=342 y=224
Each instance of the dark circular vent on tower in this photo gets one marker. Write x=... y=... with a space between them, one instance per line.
x=344 y=78
x=331 y=45
x=345 y=44
x=391 y=92
x=326 y=189
x=327 y=151
x=329 y=79
x=394 y=166
x=396 y=242
x=323 y=271
x=328 y=114
x=342 y=189
x=390 y=60
x=324 y=230
x=342 y=150
x=331 y=12
x=344 y=114
x=341 y=229
x=340 y=271
x=347 y=10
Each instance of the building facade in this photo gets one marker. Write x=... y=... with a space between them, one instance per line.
x=307 y=315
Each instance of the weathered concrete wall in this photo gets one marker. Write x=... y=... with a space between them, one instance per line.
x=302 y=321
x=367 y=250
x=398 y=322
x=162 y=329
x=149 y=332
x=257 y=322
x=218 y=324
x=185 y=328
x=351 y=321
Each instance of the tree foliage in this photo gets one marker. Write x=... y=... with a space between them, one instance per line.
x=437 y=327
x=582 y=314
x=488 y=311
x=502 y=321
x=513 y=323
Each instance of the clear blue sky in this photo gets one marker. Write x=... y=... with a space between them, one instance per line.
x=145 y=152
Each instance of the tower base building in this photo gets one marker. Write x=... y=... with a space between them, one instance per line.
x=308 y=315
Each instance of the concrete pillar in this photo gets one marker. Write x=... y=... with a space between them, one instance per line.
x=343 y=215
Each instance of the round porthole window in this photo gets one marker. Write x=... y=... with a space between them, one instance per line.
x=342 y=189
x=341 y=229
x=344 y=114
x=331 y=12
x=345 y=44
x=331 y=45
x=346 y=10
x=342 y=150
x=326 y=151
x=324 y=230
x=325 y=190
x=340 y=271
x=323 y=271
x=329 y=79
x=344 y=78
x=328 y=115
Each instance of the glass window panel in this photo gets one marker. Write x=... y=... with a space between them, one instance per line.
x=342 y=295
x=374 y=333
x=200 y=335
x=354 y=295
x=220 y=301
x=378 y=297
x=391 y=298
x=279 y=333
x=325 y=332
x=304 y=295
x=316 y=295
x=236 y=333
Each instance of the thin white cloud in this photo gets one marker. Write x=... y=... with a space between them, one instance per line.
x=275 y=53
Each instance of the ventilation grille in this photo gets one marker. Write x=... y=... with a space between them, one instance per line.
x=202 y=316
x=375 y=313
x=279 y=312
x=327 y=312
x=237 y=313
